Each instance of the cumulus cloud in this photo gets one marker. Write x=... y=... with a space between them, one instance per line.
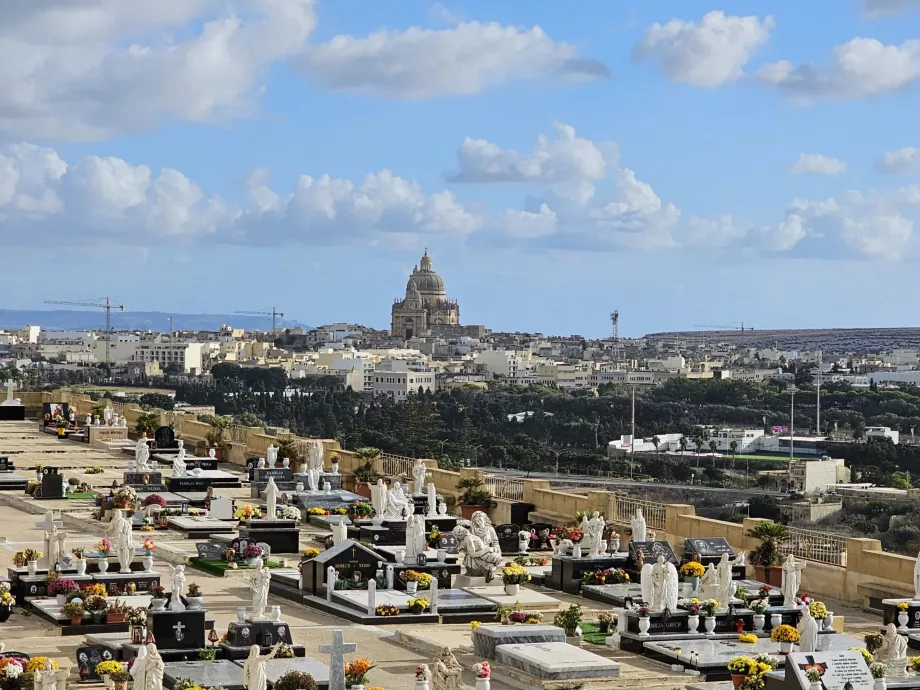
x=709 y=53
x=817 y=164
x=423 y=63
x=883 y=8
x=860 y=68
x=901 y=161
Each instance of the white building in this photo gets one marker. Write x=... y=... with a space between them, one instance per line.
x=399 y=384
x=883 y=432
x=747 y=439
x=503 y=363
x=188 y=356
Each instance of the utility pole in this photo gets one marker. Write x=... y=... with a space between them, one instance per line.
x=818 y=389
x=632 y=445
x=170 y=328
x=791 y=421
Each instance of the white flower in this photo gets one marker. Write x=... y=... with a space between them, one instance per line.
x=290 y=513
x=4 y=586
x=13 y=670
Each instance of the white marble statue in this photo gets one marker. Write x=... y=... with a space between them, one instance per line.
x=419 y=470
x=792 y=580
x=107 y=415
x=596 y=526
x=727 y=587
x=917 y=578
x=258 y=586
x=645 y=582
x=415 y=538
x=255 y=675
x=397 y=503
x=379 y=497
x=271 y=498
x=481 y=526
x=587 y=537
x=271 y=454
x=54 y=546
x=177 y=577
x=139 y=668
x=152 y=674
x=448 y=674
x=180 y=468
x=671 y=587
x=141 y=454
x=709 y=584
x=479 y=559
x=638 y=526
x=49 y=678
x=314 y=459
x=119 y=532
x=741 y=558
x=432 y=500
x=339 y=532
x=893 y=652
x=808 y=632
x=660 y=577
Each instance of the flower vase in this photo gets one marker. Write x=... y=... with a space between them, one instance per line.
x=194 y=603
x=693 y=624
x=61 y=599
x=81 y=567
x=644 y=625
x=902 y=621
x=759 y=622
x=576 y=551
x=241 y=614
x=615 y=545
x=815 y=686
x=694 y=584
x=483 y=684
x=32 y=567
x=158 y=604
x=880 y=684
x=276 y=613
x=103 y=564
x=441 y=555
x=785 y=647
x=776 y=620
x=710 y=625
x=829 y=623
x=820 y=623
x=523 y=545
x=512 y=590
x=148 y=563
x=252 y=562
x=411 y=588
x=422 y=685
x=357 y=687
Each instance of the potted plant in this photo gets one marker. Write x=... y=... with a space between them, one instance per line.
x=60 y=587
x=120 y=678
x=209 y=654
x=786 y=636
x=103 y=547
x=604 y=619
x=149 y=547
x=418 y=605
x=295 y=680
x=116 y=612
x=818 y=612
x=475 y=496
x=878 y=671
x=96 y=605
x=310 y=553
x=137 y=619
x=692 y=571
x=741 y=668
x=74 y=611
x=759 y=607
x=873 y=642
x=693 y=617
x=194 y=597
x=414 y=579
x=766 y=556
x=105 y=669
x=709 y=610
x=215 y=437
x=356 y=673
x=366 y=474
x=903 y=608
x=158 y=598
x=513 y=576
x=569 y=620
x=252 y=554
x=147 y=422
x=32 y=557
x=814 y=678
x=247 y=512
x=359 y=510
x=7 y=601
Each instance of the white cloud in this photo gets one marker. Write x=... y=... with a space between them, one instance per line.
x=817 y=164
x=860 y=68
x=96 y=68
x=901 y=161
x=882 y=8
x=423 y=63
x=709 y=53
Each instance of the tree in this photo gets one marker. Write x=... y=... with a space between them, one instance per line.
x=656 y=442
x=713 y=447
x=147 y=422
x=682 y=442
x=900 y=480
x=733 y=446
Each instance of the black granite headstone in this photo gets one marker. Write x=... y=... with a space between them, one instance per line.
x=249 y=633
x=448 y=542
x=540 y=532
x=88 y=658
x=351 y=560
x=284 y=474
x=507 y=538
x=165 y=437
x=210 y=551
x=710 y=547
x=651 y=550
x=52 y=484
x=177 y=629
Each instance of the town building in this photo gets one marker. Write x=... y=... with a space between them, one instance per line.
x=425 y=305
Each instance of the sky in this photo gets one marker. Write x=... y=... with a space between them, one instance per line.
x=685 y=162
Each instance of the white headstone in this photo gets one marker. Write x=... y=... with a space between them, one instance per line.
x=371 y=597
x=222 y=508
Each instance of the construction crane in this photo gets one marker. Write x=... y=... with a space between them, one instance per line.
x=732 y=327
x=99 y=304
x=274 y=314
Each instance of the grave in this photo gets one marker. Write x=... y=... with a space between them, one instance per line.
x=143 y=580
x=567 y=571
x=650 y=551
x=614 y=595
x=275 y=668
x=753 y=587
x=444 y=572
x=164 y=439
x=211 y=551
x=350 y=559
x=508 y=539
x=486 y=638
x=265 y=633
x=148 y=482
x=334 y=480
x=283 y=477
x=327 y=501
x=198 y=527
x=710 y=550
x=177 y=630
x=457 y=606
x=52 y=484
x=51 y=611
x=527 y=598
x=556 y=661
x=282 y=536
x=838 y=669
x=87 y=659
x=172 y=500
x=10 y=480
x=206 y=674
x=890 y=612
x=222 y=508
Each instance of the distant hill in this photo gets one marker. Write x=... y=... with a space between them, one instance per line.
x=832 y=340
x=74 y=320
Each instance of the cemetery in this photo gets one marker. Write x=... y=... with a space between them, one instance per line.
x=164 y=566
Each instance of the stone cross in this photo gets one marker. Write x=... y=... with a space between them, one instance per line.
x=337 y=650
x=371 y=597
x=9 y=389
x=49 y=524
x=179 y=627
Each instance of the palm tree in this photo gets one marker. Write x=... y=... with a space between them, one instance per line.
x=713 y=447
x=655 y=442
x=287 y=448
x=733 y=446
x=682 y=442
x=147 y=422
x=368 y=454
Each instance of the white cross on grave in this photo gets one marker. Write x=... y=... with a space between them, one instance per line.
x=49 y=523
x=338 y=649
x=179 y=627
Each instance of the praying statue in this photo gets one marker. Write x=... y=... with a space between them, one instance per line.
x=727 y=587
x=398 y=504
x=148 y=669
x=432 y=500
x=415 y=539
x=271 y=498
x=255 y=675
x=709 y=584
x=119 y=532
x=596 y=526
x=479 y=560
x=893 y=652
x=180 y=468
x=259 y=582
x=808 y=632
x=379 y=497
x=177 y=577
x=141 y=454
x=447 y=672
x=638 y=526
x=272 y=454
x=481 y=526
x=792 y=580
x=419 y=470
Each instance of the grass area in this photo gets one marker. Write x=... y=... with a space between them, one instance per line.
x=85 y=494
x=124 y=389
x=774 y=458
x=218 y=568
x=591 y=632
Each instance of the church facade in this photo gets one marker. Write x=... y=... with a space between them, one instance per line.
x=425 y=306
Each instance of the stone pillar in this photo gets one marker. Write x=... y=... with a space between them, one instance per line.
x=331 y=577
x=371 y=597
x=433 y=590
x=389 y=576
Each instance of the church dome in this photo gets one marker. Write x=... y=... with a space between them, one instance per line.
x=425 y=279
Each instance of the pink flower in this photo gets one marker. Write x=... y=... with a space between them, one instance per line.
x=483 y=670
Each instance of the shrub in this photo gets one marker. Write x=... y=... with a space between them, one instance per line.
x=295 y=680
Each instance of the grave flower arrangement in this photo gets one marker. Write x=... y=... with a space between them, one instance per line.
x=6 y=599
x=418 y=605
x=747 y=666
x=149 y=546
x=194 y=590
x=902 y=606
x=759 y=606
x=515 y=574
x=423 y=579
x=158 y=592
x=247 y=512
x=386 y=610
x=295 y=680
x=569 y=619
x=10 y=668
x=914 y=663
x=644 y=612
x=573 y=534
x=604 y=619
x=252 y=551
x=107 y=668
x=360 y=510
x=866 y=654
x=285 y=651
x=310 y=554
x=691 y=605
x=317 y=511
x=483 y=670
x=747 y=638
x=125 y=497
x=813 y=674
x=62 y=585
x=98 y=469
x=37 y=663
x=474 y=625
x=356 y=671
x=803 y=600
x=878 y=670
x=136 y=616
x=155 y=500
x=531 y=560
x=434 y=536
x=290 y=513
x=97 y=589
x=764 y=592
x=818 y=610
x=709 y=607
x=31 y=555
x=340 y=511
x=768 y=659
x=873 y=642
x=692 y=569
x=784 y=633
x=104 y=546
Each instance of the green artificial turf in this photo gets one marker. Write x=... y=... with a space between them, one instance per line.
x=85 y=494
x=216 y=567
x=590 y=632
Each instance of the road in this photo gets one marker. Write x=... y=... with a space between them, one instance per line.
x=580 y=480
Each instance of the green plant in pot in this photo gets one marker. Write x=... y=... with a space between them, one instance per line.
x=569 y=619
x=474 y=497
x=766 y=557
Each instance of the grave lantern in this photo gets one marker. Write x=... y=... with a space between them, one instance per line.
x=213 y=637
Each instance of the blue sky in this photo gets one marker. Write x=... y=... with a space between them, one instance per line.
x=700 y=163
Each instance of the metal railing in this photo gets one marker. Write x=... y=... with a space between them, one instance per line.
x=622 y=509
x=118 y=408
x=394 y=465
x=509 y=488
x=810 y=545
x=238 y=434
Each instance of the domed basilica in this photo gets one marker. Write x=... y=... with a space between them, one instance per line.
x=425 y=305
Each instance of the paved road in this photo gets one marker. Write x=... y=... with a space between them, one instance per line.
x=581 y=480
